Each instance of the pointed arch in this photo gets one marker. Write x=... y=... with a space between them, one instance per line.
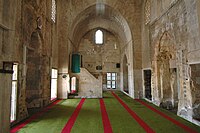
x=165 y=71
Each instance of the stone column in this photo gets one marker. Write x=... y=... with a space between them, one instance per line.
x=5 y=93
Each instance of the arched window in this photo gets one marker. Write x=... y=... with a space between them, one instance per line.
x=53 y=10
x=73 y=85
x=147 y=12
x=99 y=37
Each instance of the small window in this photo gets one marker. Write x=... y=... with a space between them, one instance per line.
x=99 y=37
x=111 y=80
x=14 y=93
x=147 y=11
x=53 y=10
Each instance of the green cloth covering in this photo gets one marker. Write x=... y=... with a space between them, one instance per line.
x=75 y=63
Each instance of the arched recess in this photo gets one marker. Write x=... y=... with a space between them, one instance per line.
x=107 y=18
x=195 y=89
x=74 y=81
x=111 y=20
x=165 y=70
x=33 y=60
x=125 y=75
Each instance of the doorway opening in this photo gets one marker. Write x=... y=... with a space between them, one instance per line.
x=125 y=75
x=111 y=80
x=73 y=85
x=14 y=93
x=54 y=78
x=147 y=84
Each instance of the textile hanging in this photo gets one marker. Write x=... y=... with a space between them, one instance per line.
x=75 y=63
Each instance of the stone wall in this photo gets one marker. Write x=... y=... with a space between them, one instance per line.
x=195 y=90
x=37 y=38
x=173 y=38
x=165 y=39
x=88 y=85
x=8 y=14
x=128 y=18
x=28 y=40
x=64 y=46
x=106 y=55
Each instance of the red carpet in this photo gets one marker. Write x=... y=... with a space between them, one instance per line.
x=187 y=129
x=72 y=119
x=105 y=119
x=18 y=127
x=134 y=115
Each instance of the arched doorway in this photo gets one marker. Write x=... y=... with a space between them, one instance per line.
x=125 y=75
x=74 y=85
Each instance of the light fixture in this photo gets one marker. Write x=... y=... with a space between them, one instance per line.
x=7 y=68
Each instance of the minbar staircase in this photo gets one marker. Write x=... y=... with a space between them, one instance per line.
x=89 y=86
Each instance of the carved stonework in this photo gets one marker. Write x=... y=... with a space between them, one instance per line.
x=163 y=75
x=195 y=90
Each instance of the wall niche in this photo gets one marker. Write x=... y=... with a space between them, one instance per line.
x=195 y=89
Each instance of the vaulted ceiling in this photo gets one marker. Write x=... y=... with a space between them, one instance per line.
x=100 y=16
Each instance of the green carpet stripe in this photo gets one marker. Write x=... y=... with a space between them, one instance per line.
x=33 y=117
x=105 y=118
x=172 y=115
x=186 y=128
x=143 y=124
x=89 y=118
x=120 y=119
x=157 y=122
x=54 y=120
x=72 y=119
